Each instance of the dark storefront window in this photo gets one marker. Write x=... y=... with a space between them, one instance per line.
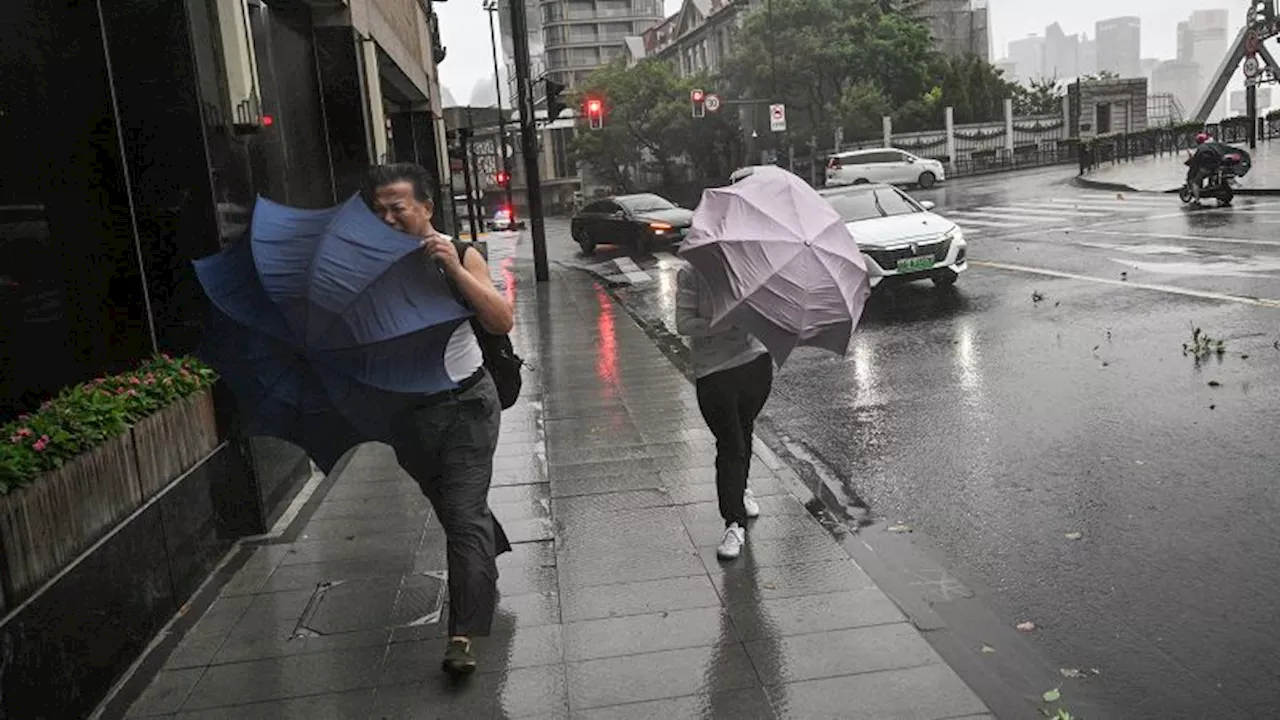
x=71 y=294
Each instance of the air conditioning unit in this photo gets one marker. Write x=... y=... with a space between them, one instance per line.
x=243 y=94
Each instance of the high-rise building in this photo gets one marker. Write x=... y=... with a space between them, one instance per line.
x=1180 y=79
x=1088 y=56
x=1027 y=57
x=1061 y=54
x=1203 y=40
x=537 y=58
x=959 y=27
x=579 y=36
x=1120 y=46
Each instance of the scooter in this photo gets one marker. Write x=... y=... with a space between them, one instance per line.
x=1221 y=184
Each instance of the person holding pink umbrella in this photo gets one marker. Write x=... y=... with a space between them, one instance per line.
x=771 y=267
x=735 y=376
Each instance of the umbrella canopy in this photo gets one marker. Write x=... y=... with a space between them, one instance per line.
x=778 y=262
x=325 y=323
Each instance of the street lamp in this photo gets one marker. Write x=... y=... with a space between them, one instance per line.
x=491 y=7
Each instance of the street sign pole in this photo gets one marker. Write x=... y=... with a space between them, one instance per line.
x=502 y=116
x=529 y=140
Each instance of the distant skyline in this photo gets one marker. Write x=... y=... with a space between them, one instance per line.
x=465 y=29
x=1016 y=19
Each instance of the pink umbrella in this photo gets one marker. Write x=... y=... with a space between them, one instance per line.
x=778 y=262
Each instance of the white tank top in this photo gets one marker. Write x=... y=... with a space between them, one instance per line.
x=462 y=356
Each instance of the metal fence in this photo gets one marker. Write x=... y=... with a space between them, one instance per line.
x=1121 y=147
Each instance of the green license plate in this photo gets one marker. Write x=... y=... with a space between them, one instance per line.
x=915 y=264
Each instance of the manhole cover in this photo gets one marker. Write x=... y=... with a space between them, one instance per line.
x=346 y=606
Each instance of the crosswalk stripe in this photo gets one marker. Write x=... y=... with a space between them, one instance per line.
x=1122 y=198
x=1105 y=203
x=1012 y=215
x=1107 y=209
x=964 y=221
x=1045 y=212
x=631 y=270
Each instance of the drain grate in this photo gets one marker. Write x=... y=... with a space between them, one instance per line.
x=347 y=606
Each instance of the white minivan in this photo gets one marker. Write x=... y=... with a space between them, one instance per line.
x=886 y=165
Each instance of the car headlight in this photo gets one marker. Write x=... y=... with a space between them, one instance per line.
x=953 y=235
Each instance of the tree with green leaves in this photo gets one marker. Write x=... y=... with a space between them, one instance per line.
x=1043 y=97
x=824 y=49
x=649 y=127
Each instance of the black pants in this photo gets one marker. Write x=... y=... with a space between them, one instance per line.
x=730 y=401
x=447 y=446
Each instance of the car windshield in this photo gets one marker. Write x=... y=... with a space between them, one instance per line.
x=645 y=203
x=871 y=203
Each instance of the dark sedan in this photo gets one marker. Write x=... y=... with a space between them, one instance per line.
x=635 y=222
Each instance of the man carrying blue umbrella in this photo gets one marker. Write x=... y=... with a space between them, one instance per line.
x=446 y=440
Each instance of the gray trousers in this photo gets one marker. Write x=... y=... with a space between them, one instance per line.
x=446 y=444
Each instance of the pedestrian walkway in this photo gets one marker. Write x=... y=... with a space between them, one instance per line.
x=613 y=602
x=1066 y=209
x=1163 y=173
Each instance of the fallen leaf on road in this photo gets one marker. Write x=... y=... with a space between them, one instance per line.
x=1074 y=535
x=1214 y=383
x=1036 y=297
x=1244 y=357
x=770 y=586
x=1072 y=673
x=1052 y=695
x=1026 y=626
x=900 y=528
x=1124 y=276
x=1213 y=407
x=988 y=649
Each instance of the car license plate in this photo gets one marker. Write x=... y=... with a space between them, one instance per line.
x=915 y=264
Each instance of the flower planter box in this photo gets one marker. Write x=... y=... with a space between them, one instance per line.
x=46 y=524
x=173 y=440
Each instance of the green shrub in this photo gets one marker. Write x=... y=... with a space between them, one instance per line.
x=83 y=416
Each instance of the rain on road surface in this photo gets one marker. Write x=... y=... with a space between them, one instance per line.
x=1042 y=434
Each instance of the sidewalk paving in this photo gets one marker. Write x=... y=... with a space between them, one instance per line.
x=1165 y=173
x=613 y=603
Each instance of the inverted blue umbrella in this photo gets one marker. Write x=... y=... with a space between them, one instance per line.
x=325 y=323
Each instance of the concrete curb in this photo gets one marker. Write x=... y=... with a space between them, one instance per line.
x=1091 y=184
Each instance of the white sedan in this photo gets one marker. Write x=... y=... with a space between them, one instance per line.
x=899 y=237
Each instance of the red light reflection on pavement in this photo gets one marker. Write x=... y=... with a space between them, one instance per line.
x=508 y=279
x=607 y=354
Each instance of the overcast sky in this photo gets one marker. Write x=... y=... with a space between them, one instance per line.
x=465 y=29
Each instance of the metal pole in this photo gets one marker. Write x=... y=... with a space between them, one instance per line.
x=492 y=7
x=1251 y=102
x=466 y=177
x=529 y=139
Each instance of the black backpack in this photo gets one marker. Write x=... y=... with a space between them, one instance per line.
x=500 y=357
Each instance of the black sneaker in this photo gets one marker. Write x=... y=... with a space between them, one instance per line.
x=458 y=659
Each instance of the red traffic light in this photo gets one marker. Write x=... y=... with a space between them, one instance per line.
x=503 y=177
x=697 y=96
x=268 y=121
x=594 y=106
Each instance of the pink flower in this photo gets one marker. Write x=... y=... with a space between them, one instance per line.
x=24 y=416
x=134 y=381
x=25 y=432
x=133 y=393
x=166 y=357
x=40 y=445
x=120 y=391
x=15 y=439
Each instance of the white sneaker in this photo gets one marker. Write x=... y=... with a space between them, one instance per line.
x=731 y=546
x=749 y=502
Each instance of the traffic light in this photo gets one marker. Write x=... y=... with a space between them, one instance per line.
x=503 y=178
x=699 y=100
x=555 y=105
x=595 y=113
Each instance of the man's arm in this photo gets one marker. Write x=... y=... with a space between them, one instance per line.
x=471 y=275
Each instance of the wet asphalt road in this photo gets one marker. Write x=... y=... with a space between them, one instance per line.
x=997 y=426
